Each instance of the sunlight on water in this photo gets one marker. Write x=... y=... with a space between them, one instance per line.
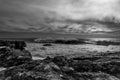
x=105 y=39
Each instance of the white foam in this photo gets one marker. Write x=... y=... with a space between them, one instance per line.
x=37 y=58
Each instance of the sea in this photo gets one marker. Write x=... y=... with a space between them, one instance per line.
x=105 y=39
x=35 y=35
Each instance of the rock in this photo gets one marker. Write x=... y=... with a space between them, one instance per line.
x=83 y=66
x=94 y=76
x=50 y=69
x=109 y=67
x=47 y=44
x=9 y=57
x=67 y=69
x=13 y=44
x=34 y=70
x=60 y=61
x=40 y=70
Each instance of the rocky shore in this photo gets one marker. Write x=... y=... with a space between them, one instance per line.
x=17 y=64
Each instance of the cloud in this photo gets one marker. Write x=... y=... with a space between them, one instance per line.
x=74 y=16
x=62 y=11
x=81 y=27
x=81 y=9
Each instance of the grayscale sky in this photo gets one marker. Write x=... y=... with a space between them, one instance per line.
x=63 y=16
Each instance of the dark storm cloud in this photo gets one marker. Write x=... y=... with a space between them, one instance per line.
x=60 y=15
x=80 y=10
x=16 y=15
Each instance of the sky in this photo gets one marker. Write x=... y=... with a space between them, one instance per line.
x=63 y=16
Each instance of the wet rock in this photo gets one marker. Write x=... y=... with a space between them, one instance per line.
x=9 y=57
x=34 y=70
x=57 y=68
x=83 y=66
x=109 y=67
x=13 y=44
x=47 y=44
x=94 y=76
x=50 y=71
x=60 y=61
x=67 y=69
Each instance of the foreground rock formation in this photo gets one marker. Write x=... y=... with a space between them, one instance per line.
x=17 y=64
x=61 y=68
x=10 y=57
x=47 y=70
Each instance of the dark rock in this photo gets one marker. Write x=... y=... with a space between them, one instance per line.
x=83 y=66
x=60 y=61
x=13 y=44
x=9 y=57
x=22 y=67
x=109 y=67
x=94 y=76
x=47 y=44
x=41 y=70
x=34 y=70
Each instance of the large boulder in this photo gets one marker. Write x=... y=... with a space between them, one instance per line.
x=9 y=57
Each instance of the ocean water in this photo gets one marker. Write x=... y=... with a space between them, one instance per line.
x=105 y=39
x=33 y=35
